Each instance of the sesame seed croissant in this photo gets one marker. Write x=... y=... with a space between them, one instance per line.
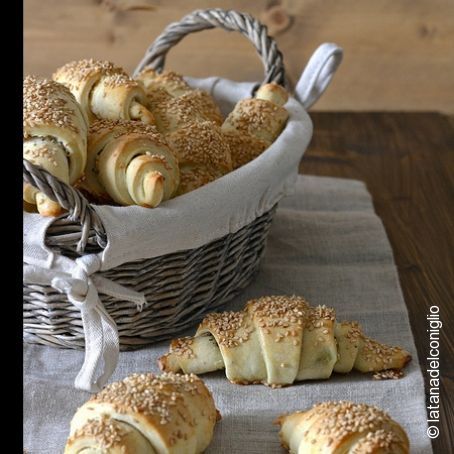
x=255 y=123
x=54 y=137
x=277 y=340
x=163 y=88
x=342 y=428
x=170 y=81
x=190 y=121
x=105 y=91
x=146 y=414
x=129 y=163
x=203 y=154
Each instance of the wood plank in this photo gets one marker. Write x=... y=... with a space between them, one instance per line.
x=398 y=53
x=407 y=163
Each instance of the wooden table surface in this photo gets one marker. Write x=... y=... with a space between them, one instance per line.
x=407 y=163
x=397 y=53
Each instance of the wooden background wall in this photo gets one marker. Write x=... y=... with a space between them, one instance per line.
x=399 y=54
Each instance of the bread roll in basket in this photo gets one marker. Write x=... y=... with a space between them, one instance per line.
x=111 y=278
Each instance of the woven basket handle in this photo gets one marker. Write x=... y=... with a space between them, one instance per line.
x=218 y=18
x=70 y=199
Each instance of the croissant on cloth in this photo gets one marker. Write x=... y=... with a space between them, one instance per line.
x=255 y=123
x=169 y=91
x=54 y=137
x=146 y=414
x=129 y=163
x=277 y=340
x=105 y=91
x=342 y=428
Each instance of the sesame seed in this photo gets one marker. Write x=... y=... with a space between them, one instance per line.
x=172 y=82
x=390 y=374
x=78 y=71
x=107 y=432
x=202 y=153
x=46 y=102
x=182 y=347
x=251 y=127
x=148 y=394
x=225 y=326
x=342 y=419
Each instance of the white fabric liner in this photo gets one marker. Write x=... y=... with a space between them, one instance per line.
x=216 y=209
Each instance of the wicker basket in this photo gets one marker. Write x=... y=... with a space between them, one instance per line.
x=179 y=287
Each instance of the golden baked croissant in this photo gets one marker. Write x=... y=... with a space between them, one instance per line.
x=203 y=154
x=277 y=340
x=105 y=91
x=55 y=137
x=145 y=413
x=170 y=81
x=190 y=121
x=192 y=104
x=255 y=123
x=129 y=163
x=342 y=428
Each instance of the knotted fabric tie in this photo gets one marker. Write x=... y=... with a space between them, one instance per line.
x=81 y=287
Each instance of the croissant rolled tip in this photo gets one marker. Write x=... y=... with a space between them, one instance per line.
x=218 y=415
x=407 y=359
x=147 y=70
x=163 y=363
x=139 y=112
x=48 y=208
x=154 y=191
x=50 y=213
x=273 y=92
x=53 y=214
x=279 y=420
x=148 y=118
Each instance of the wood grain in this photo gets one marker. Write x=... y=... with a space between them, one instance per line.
x=407 y=163
x=398 y=53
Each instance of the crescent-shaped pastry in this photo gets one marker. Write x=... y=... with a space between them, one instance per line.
x=255 y=123
x=277 y=340
x=105 y=91
x=190 y=121
x=203 y=154
x=146 y=414
x=164 y=88
x=54 y=137
x=129 y=163
x=342 y=428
